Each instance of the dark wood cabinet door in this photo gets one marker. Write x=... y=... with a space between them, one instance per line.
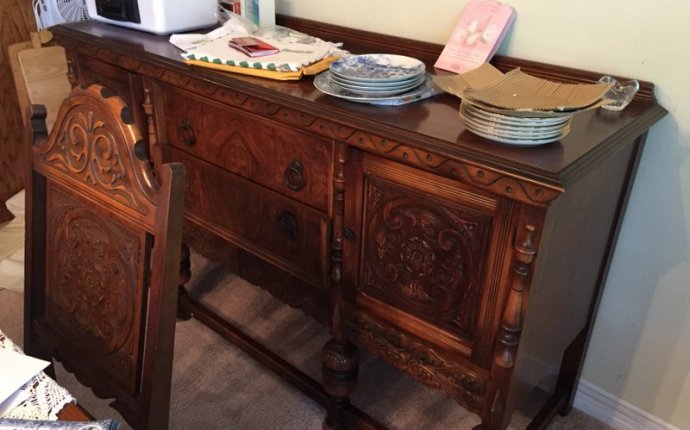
x=425 y=255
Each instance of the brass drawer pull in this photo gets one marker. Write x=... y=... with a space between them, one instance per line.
x=186 y=133
x=294 y=176
x=287 y=225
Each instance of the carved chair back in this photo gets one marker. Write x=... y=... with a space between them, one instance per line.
x=103 y=246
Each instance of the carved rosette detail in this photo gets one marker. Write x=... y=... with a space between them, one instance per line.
x=422 y=256
x=421 y=361
x=87 y=149
x=416 y=252
x=94 y=303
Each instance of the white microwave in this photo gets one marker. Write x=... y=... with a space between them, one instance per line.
x=156 y=16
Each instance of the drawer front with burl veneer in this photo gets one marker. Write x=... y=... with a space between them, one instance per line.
x=282 y=231
x=288 y=161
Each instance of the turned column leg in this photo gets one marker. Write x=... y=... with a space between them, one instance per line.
x=498 y=413
x=339 y=365
x=499 y=410
x=340 y=359
x=185 y=276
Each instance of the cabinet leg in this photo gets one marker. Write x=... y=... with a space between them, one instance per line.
x=571 y=367
x=497 y=415
x=499 y=410
x=185 y=276
x=339 y=365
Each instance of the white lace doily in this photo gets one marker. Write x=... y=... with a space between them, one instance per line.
x=46 y=397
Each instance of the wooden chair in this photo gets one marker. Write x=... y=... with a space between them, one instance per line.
x=102 y=260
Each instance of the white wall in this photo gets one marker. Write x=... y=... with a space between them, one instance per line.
x=640 y=351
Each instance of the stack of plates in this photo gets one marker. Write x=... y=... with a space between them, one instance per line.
x=520 y=109
x=374 y=77
x=506 y=127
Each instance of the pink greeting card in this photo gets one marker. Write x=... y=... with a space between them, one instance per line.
x=476 y=36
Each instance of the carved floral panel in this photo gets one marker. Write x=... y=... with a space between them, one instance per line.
x=92 y=286
x=423 y=255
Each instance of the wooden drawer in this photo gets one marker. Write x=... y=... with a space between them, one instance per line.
x=293 y=163
x=289 y=234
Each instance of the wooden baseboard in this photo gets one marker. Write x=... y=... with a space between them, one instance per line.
x=615 y=412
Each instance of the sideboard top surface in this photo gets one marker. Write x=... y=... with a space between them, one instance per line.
x=433 y=125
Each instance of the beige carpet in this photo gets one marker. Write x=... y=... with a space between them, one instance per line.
x=216 y=386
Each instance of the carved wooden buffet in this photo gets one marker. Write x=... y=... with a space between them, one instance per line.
x=473 y=266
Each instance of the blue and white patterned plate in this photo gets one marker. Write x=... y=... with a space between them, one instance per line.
x=377 y=68
x=382 y=91
x=378 y=85
x=325 y=84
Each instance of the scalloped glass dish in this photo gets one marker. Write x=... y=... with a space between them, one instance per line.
x=621 y=93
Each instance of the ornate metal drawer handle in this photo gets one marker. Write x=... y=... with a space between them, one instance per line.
x=294 y=176
x=186 y=133
x=287 y=225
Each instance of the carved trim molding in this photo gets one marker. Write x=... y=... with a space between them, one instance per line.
x=498 y=182
x=465 y=385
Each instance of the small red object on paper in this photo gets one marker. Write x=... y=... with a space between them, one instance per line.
x=252 y=46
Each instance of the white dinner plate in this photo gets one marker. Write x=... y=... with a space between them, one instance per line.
x=507 y=119
x=513 y=139
x=519 y=113
x=512 y=128
x=522 y=134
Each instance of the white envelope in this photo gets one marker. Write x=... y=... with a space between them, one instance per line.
x=16 y=370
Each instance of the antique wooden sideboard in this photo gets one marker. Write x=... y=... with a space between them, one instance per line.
x=473 y=266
